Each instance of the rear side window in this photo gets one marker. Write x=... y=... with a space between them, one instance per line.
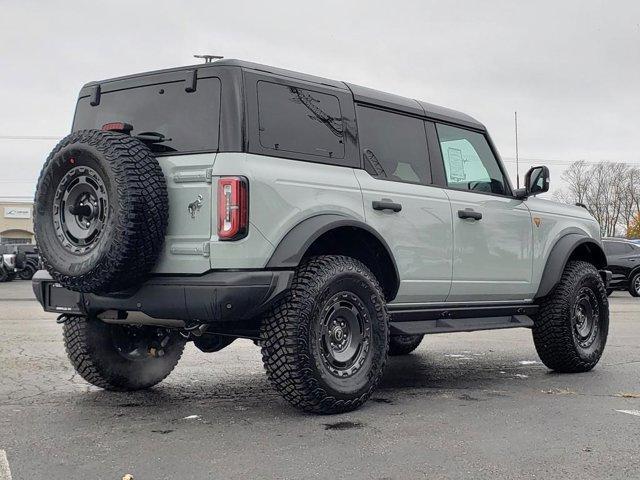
x=190 y=121
x=469 y=163
x=394 y=146
x=297 y=120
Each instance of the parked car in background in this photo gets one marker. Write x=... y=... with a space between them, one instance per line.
x=17 y=260
x=623 y=257
x=29 y=261
x=7 y=263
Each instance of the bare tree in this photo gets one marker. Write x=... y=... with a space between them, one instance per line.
x=609 y=190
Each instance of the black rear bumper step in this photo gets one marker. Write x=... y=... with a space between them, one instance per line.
x=218 y=296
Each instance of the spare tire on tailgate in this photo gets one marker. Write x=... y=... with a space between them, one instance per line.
x=101 y=211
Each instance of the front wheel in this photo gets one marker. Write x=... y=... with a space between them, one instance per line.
x=325 y=344
x=634 y=285
x=571 y=327
x=121 y=357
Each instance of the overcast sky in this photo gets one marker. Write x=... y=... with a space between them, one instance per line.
x=570 y=68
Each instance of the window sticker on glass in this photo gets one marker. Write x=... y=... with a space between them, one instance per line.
x=456 y=165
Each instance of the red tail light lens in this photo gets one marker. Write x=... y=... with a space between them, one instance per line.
x=233 y=207
x=119 y=127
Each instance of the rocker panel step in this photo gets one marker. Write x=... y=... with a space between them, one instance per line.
x=449 y=325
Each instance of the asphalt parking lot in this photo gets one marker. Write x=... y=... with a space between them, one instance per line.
x=469 y=405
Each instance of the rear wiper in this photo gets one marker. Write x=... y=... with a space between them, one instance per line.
x=151 y=137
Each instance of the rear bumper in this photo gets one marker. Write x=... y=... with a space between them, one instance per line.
x=219 y=296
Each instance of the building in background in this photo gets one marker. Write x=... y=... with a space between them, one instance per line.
x=16 y=220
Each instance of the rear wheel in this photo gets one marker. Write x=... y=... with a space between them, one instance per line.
x=634 y=285
x=4 y=275
x=404 y=344
x=325 y=345
x=121 y=357
x=571 y=327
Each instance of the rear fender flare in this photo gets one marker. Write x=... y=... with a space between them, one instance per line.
x=293 y=246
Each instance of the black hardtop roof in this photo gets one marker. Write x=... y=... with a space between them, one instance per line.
x=360 y=94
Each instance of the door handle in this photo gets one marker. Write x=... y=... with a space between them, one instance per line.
x=386 y=205
x=469 y=213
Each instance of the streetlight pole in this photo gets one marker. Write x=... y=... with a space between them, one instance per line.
x=515 y=114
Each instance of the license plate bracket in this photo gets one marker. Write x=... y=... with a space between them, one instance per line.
x=60 y=299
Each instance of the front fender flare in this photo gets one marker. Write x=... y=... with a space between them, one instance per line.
x=559 y=256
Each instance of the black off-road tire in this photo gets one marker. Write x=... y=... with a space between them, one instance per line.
x=556 y=326
x=27 y=272
x=634 y=283
x=130 y=215
x=4 y=275
x=403 y=344
x=91 y=348
x=293 y=353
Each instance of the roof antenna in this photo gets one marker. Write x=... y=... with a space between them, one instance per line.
x=209 y=58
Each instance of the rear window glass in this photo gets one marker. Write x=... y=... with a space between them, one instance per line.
x=188 y=120
x=297 y=120
x=394 y=146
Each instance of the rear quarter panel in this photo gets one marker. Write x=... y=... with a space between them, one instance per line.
x=282 y=193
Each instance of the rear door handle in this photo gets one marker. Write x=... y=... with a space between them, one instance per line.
x=386 y=205
x=469 y=213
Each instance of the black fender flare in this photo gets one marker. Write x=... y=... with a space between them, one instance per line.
x=559 y=256
x=291 y=249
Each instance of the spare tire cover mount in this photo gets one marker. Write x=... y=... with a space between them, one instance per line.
x=81 y=205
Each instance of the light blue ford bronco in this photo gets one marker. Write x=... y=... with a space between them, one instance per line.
x=333 y=224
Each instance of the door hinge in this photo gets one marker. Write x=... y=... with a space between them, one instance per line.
x=206 y=249
x=208 y=174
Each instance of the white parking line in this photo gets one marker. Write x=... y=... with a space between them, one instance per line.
x=5 y=473
x=630 y=412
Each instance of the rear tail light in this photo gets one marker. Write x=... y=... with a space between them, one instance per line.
x=233 y=207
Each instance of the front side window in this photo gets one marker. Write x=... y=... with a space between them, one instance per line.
x=293 y=119
x=469 y=163
x=394 y=146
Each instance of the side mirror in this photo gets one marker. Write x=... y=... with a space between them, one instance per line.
x=535 y=181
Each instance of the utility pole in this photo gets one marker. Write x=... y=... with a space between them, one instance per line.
x=515 y=114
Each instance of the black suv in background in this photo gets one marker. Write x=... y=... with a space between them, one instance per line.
x=624 y=262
